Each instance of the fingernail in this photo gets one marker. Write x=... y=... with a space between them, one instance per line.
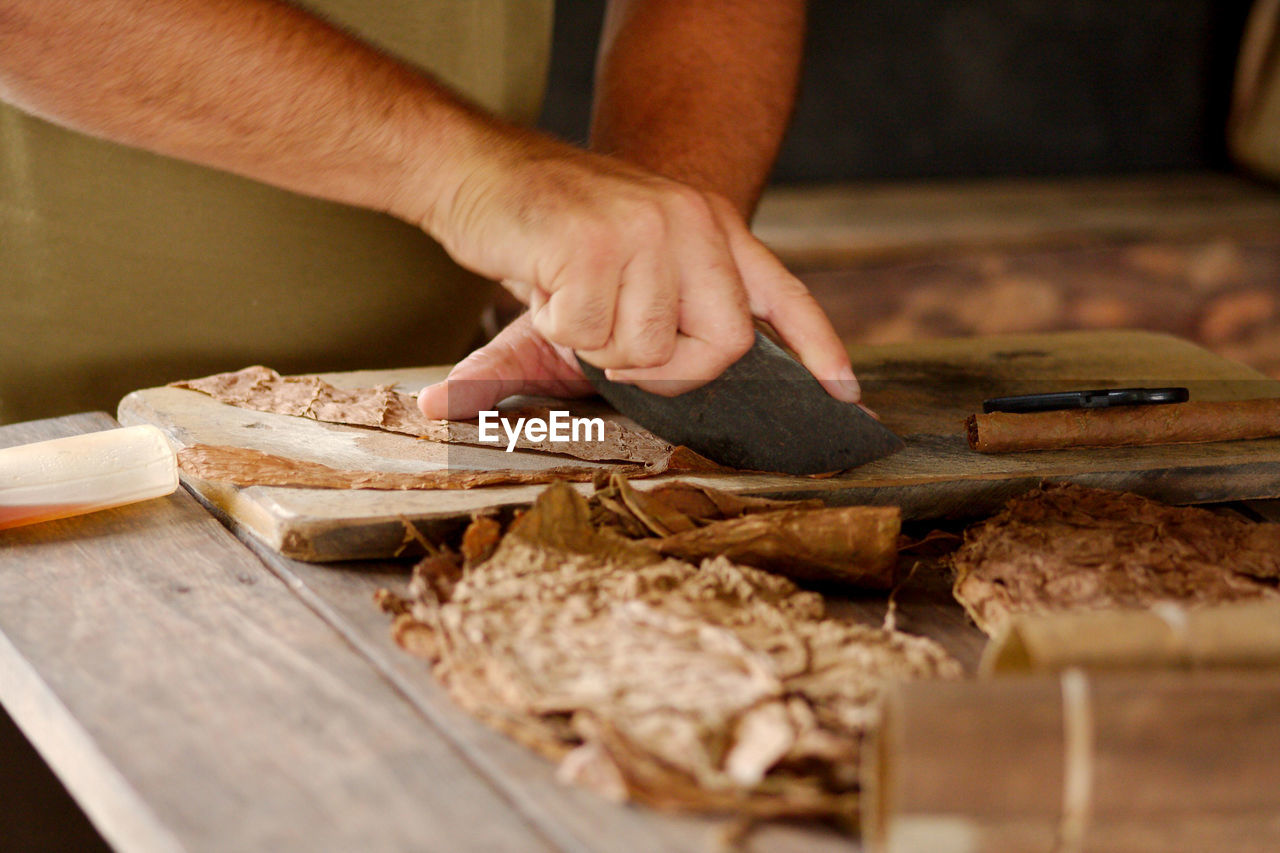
x=850 y=390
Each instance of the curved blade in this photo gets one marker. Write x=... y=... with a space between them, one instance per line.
x=766 y=412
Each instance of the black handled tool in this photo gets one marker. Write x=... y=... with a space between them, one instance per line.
x=766 y=412
x=1101 y=398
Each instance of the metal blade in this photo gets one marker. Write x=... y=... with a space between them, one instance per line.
x=766 y=412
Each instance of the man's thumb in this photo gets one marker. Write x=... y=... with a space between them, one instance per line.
x=516 y=361
x=475 y=383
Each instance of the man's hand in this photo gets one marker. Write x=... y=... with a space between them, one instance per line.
x=651 y=279
x=629 y=269
x=698 y=91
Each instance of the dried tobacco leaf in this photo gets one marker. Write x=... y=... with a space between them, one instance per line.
x=480 y=539
x=800 y=539
x=676 y=507
x=242 y=466
x=390 y=603
x=853 y=544
x=712 y=687
x=1068 y=547
x=382 y=407
x=654 y=516
x=435 y=575
x=703 y=503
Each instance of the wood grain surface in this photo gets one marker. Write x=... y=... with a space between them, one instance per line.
x=922 y=390
x=190 y=701
x=1120 y=761
x=194 y=696
x=342 y=593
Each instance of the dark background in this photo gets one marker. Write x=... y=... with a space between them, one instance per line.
x=898 y=89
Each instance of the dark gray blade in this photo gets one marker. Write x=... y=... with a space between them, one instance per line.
x=765 y=413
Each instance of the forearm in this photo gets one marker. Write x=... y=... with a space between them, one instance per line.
x=254 y=87
x=699 y=90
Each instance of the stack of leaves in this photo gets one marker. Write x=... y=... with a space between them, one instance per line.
x=703 y=684
x=1067 y=547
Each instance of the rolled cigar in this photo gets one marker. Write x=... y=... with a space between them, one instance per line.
x=1124 y=426
x=1117 y=762
x=1167 y=635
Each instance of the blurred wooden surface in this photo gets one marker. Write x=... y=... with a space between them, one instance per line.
x=1196 y=255
x=836 y=225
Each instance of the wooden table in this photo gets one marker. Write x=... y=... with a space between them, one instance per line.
x=197 y=692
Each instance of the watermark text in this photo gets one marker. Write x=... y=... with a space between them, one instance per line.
x=557 y=427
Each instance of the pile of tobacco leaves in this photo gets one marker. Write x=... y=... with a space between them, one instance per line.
x=1065 y=547
x=645 y=642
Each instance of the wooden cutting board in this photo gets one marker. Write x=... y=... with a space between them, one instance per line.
x=923 y=391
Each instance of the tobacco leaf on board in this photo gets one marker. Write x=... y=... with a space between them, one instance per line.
x=382 y=407
x=1069 y=547
x=242 y=466
x=708 y=686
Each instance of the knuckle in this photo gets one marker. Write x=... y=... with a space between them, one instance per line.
x=597 y=255
x=586 y=279
x=592 y=238
x=737 y=340
x=576 y=338
x=654 y=342
x=585 y=327
x=584 y=335
x=648 y=222
x=692 y=204
x=792 y=288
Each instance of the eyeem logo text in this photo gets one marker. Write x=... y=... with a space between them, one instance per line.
x=557 y=427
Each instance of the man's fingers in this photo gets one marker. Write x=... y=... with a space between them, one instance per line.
x=647 y=317
x=582 y=296
x=714 y=320
x=517 y=361
x=519 y=289
x=782 y=300
x=693 y=364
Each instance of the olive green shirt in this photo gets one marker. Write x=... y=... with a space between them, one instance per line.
x=122 y=269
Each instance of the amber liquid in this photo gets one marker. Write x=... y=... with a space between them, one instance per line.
x=16 y=516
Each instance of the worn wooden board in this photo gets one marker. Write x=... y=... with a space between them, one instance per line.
x=189 y=701
x=922 y=390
